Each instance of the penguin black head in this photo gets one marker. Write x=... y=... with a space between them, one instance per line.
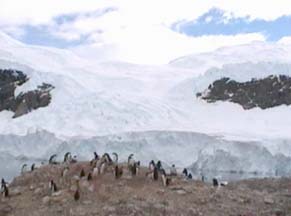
x=96 y=156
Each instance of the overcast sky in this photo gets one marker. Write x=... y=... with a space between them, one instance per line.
x=145 y=31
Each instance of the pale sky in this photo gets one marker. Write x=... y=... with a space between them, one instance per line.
x=145 y=31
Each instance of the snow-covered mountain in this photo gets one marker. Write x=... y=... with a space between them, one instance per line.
x=114 y=99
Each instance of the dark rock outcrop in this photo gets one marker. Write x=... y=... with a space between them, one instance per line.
x=24 y=102
x=265 y=93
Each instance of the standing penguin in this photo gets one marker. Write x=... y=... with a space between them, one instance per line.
x=53 y=187
x=173 y=171
x=5 y=191
x=77 y=192
x=4 y=188
x=96 y=156
x=159 y=165
x=23 y=168
x=32 y=167
x=165 y=179
x=52 y=159
x=89 y=177
x=185 y=172
x=82 y=173
x=152 y=165
x=156 y=174
x=115 y=157
x=215 y=182
x=118 y=171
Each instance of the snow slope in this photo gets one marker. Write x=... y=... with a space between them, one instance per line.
x=102 y=99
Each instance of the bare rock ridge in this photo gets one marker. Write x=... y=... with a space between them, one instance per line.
x=25 y=102
x=265 y=93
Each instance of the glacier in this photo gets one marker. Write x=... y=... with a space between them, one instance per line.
x=148 y=110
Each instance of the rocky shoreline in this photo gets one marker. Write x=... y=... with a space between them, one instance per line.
x=139 y=195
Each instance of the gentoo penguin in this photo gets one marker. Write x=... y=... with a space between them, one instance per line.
x=77 y=192
x=32 y=167
x=152 y=165
x=159 y=165
x=52 y=159
x=4 y=188
x=118 y=171
x=215 y=182
x=5 y=191
x=173 y=171
x=130 y=160
x=23 y=168
x=189 y=176
x=203 y=178
x=52 y=186
x=185 y=172
x=103 y=167
x=67 y=157
x=156 y=174
x=115 y=157
x=133 y=169
x=3 y=184
x=107 y=158
x=74 y=159
x=165 y=179
x=96 y=156
x=89 y=177
x=82 y=173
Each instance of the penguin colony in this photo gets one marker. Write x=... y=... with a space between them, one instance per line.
x=100 y=165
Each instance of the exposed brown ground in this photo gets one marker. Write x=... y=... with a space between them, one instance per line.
x=105 y=195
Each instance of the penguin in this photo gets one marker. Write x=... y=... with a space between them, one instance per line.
x=189 y=176
x=156 y=174
x=95 y=172
x=77 y=192
x=74 y=159
x=67 y=157
x=96 y=156
x=65 y=172
x=185 y=172
x=32 y=167
x=133 y=169
x=82 y=173
x=173 y=171
x=203 y=178
x=118 y=171
x=107 y=158
x=137 y=167
x=89 y=177
x=215 y=182
x=53 y=187
x=23 y=168
x=115 y=158
x=166 y=180
x=5 y=191
x=52 y=159
x=130 y=160
x=159 y=165
x=152 y=165
x=3 y=184
x=103 y=167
